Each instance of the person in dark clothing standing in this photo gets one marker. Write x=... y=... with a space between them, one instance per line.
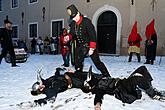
x=33 y=46
x=6 y=42
x=127 y=90
x=151 y=43
x=84 y=35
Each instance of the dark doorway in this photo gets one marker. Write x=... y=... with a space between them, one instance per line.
x=106 y=32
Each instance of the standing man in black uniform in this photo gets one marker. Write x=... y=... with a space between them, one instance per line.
x=83 y=32
x=6 y=42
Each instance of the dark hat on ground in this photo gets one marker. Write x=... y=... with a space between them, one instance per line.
x=7 y=21
x=72 y=11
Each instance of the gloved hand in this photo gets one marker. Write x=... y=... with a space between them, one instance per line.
x=40 y=101
x=91 y=51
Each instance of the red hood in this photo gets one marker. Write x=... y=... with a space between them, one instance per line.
x=133 y=35
x=150 y=30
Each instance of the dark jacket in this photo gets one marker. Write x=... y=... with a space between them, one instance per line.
x=150 y=47
x=6 y=38
x=128 y=89
x=57 y=83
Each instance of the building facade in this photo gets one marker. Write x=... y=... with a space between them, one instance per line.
x=113 y=20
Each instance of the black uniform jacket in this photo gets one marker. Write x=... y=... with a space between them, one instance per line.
x=84 y=33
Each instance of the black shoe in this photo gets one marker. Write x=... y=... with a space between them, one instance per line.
x=147 y=62
x=152 y=62
x=66 y=65
x=14 y=66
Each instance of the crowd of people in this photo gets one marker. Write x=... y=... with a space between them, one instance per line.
x=46 y=46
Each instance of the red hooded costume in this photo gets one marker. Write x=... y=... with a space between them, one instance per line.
x=134 y=38
x=150 y=30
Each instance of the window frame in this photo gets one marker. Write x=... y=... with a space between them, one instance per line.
x=1 y=5
x=11 y=1
x=17 y=32
x=32 y=2
x=56 y=20
x=29 y=37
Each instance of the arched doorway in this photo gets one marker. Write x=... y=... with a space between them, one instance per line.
x=106 y=8
x=106 y=32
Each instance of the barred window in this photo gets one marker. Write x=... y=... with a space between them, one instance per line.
x=33 y=1
x=14 y=4
x=33 y=30
x=56 y=28
x=0 y=5
x=15 y=32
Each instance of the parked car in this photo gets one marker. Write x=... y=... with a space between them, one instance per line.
x=20 y=54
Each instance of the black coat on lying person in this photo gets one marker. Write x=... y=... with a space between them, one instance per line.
x=56 y=84
x=127 y=90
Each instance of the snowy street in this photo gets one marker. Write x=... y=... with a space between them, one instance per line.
x=15 y=84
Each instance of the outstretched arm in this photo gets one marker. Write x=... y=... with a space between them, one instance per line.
x=98 y=99
x=50 y=96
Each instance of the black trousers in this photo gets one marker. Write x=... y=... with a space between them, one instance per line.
x=141 y=78
x=11 y=52
x=130 y=56
x=81 y=53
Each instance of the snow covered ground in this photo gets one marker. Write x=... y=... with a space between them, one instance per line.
x=15 y=84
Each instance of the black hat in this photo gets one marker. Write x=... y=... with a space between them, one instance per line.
x=72 y=11
x=7 y=21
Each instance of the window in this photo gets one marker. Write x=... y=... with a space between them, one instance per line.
x=0 y=5
x=33 y=1
x=33 y=30
x=14 y=3
x=14 y=31
x=56 y=28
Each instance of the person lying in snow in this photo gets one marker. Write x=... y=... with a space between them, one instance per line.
x=59 y=82
x=127 y=90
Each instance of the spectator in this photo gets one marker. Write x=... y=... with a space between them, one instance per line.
x=56 y=44
x=65 y=46
x=134 y=43
x=40 y=45
x=33 y=45
x=47 y=45
x=6 y=42
x=151 y=43
x=52 y=46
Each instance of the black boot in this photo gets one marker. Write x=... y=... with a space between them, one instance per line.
x=138 y=56
x=152 y=62
x=0 y=59
x=130 y=57
x=147 y=62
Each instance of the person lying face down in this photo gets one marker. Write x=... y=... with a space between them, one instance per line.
x=127 y=90
x=59 y=82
